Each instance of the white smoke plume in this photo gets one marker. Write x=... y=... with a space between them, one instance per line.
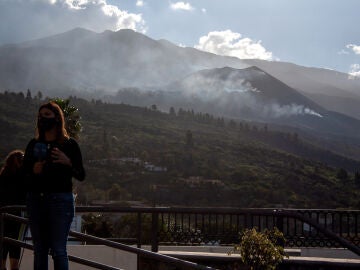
x=238 y=92
x=276 y=110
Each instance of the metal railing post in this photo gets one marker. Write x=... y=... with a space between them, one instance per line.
x=139 y=230
x=248 y=221
x=2 y=219
x=284 y=219
x=279 y=221
x=154 y=232
x=280 y=227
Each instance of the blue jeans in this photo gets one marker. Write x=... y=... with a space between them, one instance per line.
x=50 y=217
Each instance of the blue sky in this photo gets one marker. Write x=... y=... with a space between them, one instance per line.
x=316 y=33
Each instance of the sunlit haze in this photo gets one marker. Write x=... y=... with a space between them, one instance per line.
x=322 y=33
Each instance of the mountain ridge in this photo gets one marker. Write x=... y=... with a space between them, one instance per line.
x=189 y=60
x=325 y=87
x=107 y=60
x=86 y=63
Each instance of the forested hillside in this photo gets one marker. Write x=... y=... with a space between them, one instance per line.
x=190 y=158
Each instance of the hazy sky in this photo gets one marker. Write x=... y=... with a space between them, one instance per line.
x=317 y=33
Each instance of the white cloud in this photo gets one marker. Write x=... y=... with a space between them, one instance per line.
x=231 y=44
x=354 y=48
x=354 y=71
x=139 y=3
x=343 y=52
x=203 y=10
x=74 y=4
x=181 y=6
x=123 y=18
x=39 y=18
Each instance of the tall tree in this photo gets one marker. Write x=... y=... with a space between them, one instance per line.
x=39 y=95
x=172 y=111
x=28 y=94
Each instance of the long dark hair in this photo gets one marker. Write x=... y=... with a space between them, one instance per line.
x=11 y=167
x=61 y=133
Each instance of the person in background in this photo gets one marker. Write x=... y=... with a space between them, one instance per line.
x=12 y=192
x=51 y=160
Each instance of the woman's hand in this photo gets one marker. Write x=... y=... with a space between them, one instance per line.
x=59 y=157
x=38 y=167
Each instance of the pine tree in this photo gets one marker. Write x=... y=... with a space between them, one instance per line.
x=28 y=94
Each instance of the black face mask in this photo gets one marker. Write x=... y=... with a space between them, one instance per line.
x=47 y=124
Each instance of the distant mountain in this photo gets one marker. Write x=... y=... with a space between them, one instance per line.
x=84 y=60
x=250 y=94
x=333 y=90
x=93 y=63
x=127 y=66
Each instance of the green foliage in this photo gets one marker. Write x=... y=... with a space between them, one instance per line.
x=97 y=224
x=357 y=178
x=342 y=174
x=115 y=226
x=71 y=115
x=235 y=165
x=126 y=226
x=117 y=193
x=189 y=138
x=261 y=250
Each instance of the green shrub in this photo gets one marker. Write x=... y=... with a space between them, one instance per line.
x=261 y=250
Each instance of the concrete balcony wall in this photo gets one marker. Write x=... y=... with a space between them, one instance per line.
x=98 y=253
x=203 y=255
x=336 y=253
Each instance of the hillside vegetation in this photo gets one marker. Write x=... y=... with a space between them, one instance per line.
x=190 y=159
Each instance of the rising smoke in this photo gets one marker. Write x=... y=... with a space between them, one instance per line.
x=229 y=90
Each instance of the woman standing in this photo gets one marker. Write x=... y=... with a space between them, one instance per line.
x=12 y=192
x=51 y=160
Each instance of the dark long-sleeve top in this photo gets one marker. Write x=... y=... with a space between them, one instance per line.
x=12 y=189
x=55 y=177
